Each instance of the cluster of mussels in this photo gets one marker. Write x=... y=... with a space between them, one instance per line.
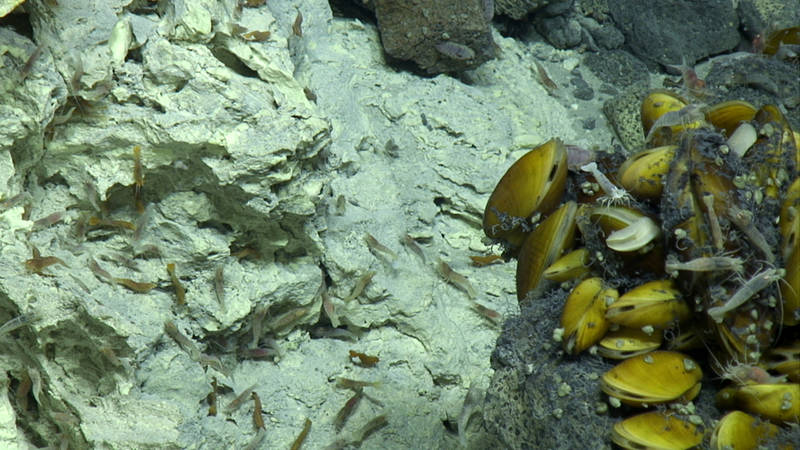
x=700 y=234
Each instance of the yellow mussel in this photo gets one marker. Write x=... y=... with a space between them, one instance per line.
x=533 y=184
x=573 y=265
x=656 y=377
x=656 y=304
x=739 y=430
x=656 y=430
x=583 y=317
x=778 y=402
x=628 y=342
x=728 y=115
x=543 y=246
x=785 y=360
x=658 y=103
x=790 y=248
x=643 y=173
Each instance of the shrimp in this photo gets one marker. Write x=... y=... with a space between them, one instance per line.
x=691 y=81
x=750 y=288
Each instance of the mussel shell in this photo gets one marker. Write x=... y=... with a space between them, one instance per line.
x=543 y=246
x=656 y=430
x=609 y=226
x=658 y=103
x=656 y=303
x=583 y=317
x=687 y=338
x=774 y=40
x=790 y=249
x=785 y=360
x=643 y=174
x=790 y=290
x=728 y=115
x=656 y=377
x=741 y=334
x=627 y=343
x=573 y=265
x=778 y=402
x=789 y=222
x=739 y=430
x=533 y=184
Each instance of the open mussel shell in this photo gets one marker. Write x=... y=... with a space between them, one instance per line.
x=656 y=430
x=728 y=115
x=643 y=174
x=571 y=266
x=739 y=430
x=653 y=378
x=656 y=304
x=533 y=184
x=635 y=237
x=626 y=229
x=778 y=402
x=658 y=103
x=543 y=246
x=627 y=343
x=583 y=317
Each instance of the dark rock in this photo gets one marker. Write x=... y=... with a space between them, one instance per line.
x=756 y=79
x=439 y=35
x=757 y=15
x=605 y=35
x=666 y=31
x=582 y=89
x=560 y=31
x=617 y=67
x=517 y=9
x=527 y=405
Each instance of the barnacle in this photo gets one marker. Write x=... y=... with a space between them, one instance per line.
x=702 y=242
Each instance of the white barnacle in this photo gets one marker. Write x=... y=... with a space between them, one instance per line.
x=648 y=330
x=786 y=403
x=689 y=365
x=558 y=334
x=695 y=419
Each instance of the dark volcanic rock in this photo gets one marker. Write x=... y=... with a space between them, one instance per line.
x=438 y=35
x=666 y=31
